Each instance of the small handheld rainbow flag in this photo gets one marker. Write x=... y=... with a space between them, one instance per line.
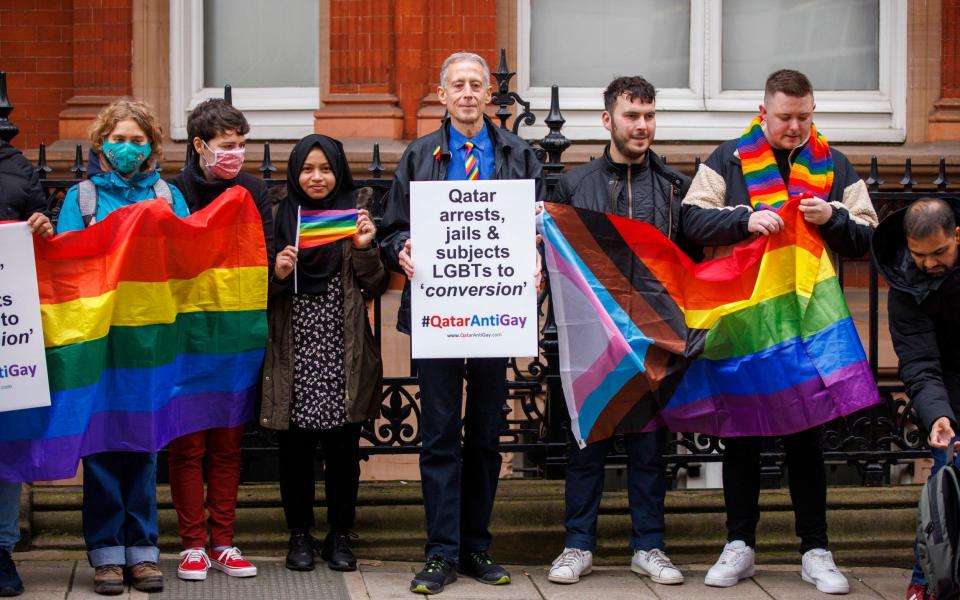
x=319 y=227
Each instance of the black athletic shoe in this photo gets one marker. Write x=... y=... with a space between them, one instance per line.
x=435 y=574
x=336 y=551
x=302 y=549
x=483 y=568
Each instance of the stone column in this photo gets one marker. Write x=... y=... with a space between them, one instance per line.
x=944 y=122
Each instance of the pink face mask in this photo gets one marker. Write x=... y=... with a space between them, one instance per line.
x=226 y=163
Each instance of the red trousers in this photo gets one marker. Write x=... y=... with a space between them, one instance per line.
x=185 y=457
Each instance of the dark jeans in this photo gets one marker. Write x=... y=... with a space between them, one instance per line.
x=459 y=485
x=808 y=487
x=341 y=475
x=646 y=488
x=120 y=508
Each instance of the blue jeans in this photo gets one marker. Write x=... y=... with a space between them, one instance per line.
x=460 y=483
x=120 y=508
x=646 y=489
x=9 y=515
x=939 y=460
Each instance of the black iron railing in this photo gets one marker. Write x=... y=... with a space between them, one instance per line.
x=871 y=441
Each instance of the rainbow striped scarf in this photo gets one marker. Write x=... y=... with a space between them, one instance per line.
x=810 y=175
x=319 y=227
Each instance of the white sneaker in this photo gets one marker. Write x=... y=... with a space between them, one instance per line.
x=657 y=566
x=735 y=563
x=571 y=565
x=820 y=570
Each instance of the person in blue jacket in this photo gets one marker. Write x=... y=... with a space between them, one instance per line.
x=119 y=488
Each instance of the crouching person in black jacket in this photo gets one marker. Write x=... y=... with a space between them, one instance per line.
x=915 y=249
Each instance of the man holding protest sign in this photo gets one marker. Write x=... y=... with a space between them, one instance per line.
x=21 y=197
x=631 y=181
x=458 y=496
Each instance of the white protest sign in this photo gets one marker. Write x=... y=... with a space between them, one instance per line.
x=474 y=257
x=23 y=363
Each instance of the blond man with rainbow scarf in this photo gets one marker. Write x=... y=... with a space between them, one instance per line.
x=735 y=197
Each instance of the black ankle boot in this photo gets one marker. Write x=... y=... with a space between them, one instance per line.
x=300 y=555
x=337 y=552
x=10 y=582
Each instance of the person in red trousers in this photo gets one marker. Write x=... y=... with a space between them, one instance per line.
x=217 y=133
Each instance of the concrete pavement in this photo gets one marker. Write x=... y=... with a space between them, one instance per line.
x=71 y=579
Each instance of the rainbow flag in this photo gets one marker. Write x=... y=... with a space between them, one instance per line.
x=757 y=343
x=154 y=327
x=319 y=227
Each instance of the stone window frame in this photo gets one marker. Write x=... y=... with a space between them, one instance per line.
x=703 y=112
x=273 y=113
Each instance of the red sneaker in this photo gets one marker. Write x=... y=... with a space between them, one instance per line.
x=193 y=564
x=232 y=563
x=918 y=591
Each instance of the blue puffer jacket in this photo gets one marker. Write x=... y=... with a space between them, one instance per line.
x=113 y=192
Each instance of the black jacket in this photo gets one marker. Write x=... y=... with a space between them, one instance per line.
x=924 y=318
x=650 y=192
x=199 y=192
x=20 y=191
x=717 y=207
x=513 y=159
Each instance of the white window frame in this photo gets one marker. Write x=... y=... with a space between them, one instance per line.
x=273 y=112
x=703 y=112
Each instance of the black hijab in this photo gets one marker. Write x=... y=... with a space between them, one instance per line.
x=315 y=266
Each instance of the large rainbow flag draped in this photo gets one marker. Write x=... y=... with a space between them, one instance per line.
x=757 y=343
x=154 y=327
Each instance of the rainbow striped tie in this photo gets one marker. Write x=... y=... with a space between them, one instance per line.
x=470 y=163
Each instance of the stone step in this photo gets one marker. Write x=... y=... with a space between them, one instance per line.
x=872 y=526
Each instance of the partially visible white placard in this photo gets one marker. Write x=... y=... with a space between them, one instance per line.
x=23 y=363
x=474 y=256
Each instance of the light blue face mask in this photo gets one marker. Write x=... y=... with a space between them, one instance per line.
x=126 y=157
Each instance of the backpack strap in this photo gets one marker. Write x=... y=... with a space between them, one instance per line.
x=87 y=201
x=936 y=506
x=951 y=495
x=161 y=189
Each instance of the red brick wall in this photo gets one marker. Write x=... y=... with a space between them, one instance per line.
x=427 y=32
x=102 y=47
x=361 y=46
x=396 y=46
x=412 y=68
x=53 y=50
x=36 y=51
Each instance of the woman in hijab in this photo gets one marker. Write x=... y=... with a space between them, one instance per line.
x=322 y=373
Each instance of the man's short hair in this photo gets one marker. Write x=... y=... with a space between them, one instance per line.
x=634 y=88
x=927 y=216
x=790 y=82
x=457 y=57
x=213 y=117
